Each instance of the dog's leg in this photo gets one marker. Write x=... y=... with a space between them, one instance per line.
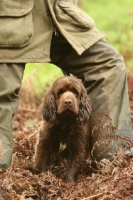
x=77 y=151
x=74 y=165
x=42 y=156
x=72 y=175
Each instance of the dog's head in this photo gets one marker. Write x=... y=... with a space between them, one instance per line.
x=67 y=98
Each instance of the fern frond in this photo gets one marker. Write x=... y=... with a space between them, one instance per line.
x=106 y=167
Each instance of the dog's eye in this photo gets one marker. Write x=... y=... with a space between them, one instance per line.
x=75 y=92
x=60 y=92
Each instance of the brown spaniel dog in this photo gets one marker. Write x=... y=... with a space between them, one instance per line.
x=64 y=132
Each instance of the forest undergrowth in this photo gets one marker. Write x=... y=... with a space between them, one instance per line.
x=109 y=181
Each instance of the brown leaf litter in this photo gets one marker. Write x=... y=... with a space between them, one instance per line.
x=111 y=181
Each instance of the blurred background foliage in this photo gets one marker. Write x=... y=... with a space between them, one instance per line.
x=114 y=19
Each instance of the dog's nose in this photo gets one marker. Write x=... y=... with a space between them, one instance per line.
x=68 y=102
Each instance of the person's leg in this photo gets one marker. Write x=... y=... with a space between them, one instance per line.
x=10 y=83
x=103 y=73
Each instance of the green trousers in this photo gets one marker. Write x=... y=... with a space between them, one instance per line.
x=10 y=82
x=103 y=73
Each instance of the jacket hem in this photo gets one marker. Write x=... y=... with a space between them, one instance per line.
x=88 y=45
x=25 y=61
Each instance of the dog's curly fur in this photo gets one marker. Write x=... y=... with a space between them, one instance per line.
x=64 y=132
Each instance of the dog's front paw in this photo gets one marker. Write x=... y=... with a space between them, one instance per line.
x=70 y=178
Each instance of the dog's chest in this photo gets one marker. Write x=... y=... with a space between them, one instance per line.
x=65 y=139
x=62 y=146
x=62 y=137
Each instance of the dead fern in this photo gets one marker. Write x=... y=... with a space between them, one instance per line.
x=110 y=139
x=106 y=167
x=106 y=127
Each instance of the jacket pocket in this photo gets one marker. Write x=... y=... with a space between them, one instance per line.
x=75 y=16
x=16 y=24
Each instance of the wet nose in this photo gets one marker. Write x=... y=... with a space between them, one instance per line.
x=68 y=102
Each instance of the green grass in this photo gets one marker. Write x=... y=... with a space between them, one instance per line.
x=40 y=75
x=110 y=15
x=114 y=18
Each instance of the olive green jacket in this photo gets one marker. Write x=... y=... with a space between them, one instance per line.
x=26 y=28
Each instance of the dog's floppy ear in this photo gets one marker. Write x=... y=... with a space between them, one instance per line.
x=49 y=107
x=84 y=107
